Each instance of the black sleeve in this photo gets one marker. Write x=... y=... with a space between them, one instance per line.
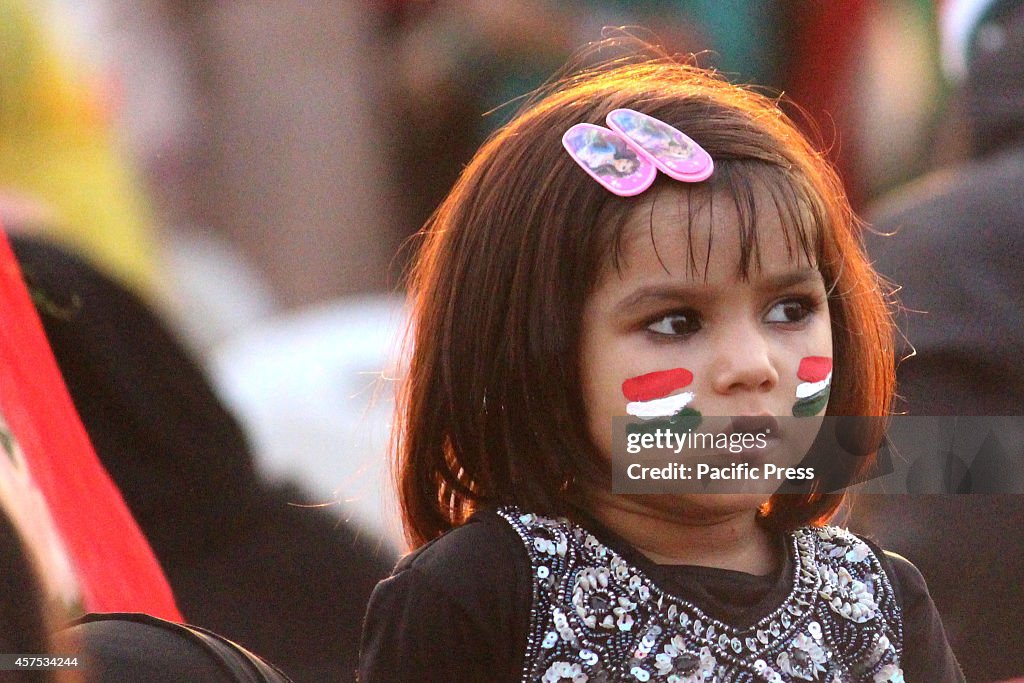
x=927 y=656
x=456 y=610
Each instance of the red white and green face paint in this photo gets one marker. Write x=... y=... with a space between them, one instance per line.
x=651 y=398
x=815 y=374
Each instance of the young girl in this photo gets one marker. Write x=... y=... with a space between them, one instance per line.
x=545 y=306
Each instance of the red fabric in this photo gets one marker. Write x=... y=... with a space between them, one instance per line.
x=114 y=565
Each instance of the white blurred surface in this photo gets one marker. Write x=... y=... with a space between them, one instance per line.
x=217 y=294
x=311 y=390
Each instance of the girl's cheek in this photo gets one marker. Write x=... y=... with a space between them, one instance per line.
x=659 y=398
x=815 y=375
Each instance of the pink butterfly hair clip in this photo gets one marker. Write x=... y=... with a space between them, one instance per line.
x=626 y=157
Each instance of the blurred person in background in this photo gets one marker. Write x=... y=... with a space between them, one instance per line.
x=112 y=564
x=969 y=218
x=288 y=125
x=460 y=67
x=132 y=60
x=34 y=575
x=953 y=243
x=60 y=170
x=36 y=582
x=171 y=68
x=249 y=559
x=255 y=132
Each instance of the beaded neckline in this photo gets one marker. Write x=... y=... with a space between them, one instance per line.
x=795 y=547
x=597 y=617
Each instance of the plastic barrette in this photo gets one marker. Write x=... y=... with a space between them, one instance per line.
x=610 y=159
x=668 y=148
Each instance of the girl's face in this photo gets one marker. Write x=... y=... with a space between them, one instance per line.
x=738 y=347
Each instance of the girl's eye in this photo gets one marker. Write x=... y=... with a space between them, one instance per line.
x=789 y=311
x=676 y=324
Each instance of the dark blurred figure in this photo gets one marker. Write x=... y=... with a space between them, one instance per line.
x=108 y=648
x=957 y=253
x=26 y=621
x=958 y=245
x=286 y=581
x=118 y=647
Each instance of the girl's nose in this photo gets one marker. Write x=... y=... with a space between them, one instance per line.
x=743 y=362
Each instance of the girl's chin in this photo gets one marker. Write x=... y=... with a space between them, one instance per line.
x=701 y=507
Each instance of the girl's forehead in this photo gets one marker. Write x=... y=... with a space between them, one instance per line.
x=696 y=233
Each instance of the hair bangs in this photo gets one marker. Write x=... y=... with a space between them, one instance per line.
x=757 y=193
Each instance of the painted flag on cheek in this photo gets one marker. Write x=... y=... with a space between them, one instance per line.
x=815 y=373
x=651 y=398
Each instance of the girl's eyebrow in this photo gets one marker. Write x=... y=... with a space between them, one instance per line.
x=694 y=293
x=656 y=294
x=791 y=279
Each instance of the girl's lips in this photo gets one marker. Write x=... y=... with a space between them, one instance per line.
x=756 y=424
x=766 y=427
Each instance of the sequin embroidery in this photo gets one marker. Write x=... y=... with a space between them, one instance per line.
x=596 y=618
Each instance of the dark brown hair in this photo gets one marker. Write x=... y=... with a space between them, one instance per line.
x=492 y=411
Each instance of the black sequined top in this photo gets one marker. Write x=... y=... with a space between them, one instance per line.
x=511 y=596
x=597 y=617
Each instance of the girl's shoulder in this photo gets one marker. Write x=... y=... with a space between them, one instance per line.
x=905 y=578
x=838 y=547
x=484 y=545
x=478 y=569
x=927 y=655
x=456 y=608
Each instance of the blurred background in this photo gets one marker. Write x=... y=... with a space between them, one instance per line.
x=252 y=170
